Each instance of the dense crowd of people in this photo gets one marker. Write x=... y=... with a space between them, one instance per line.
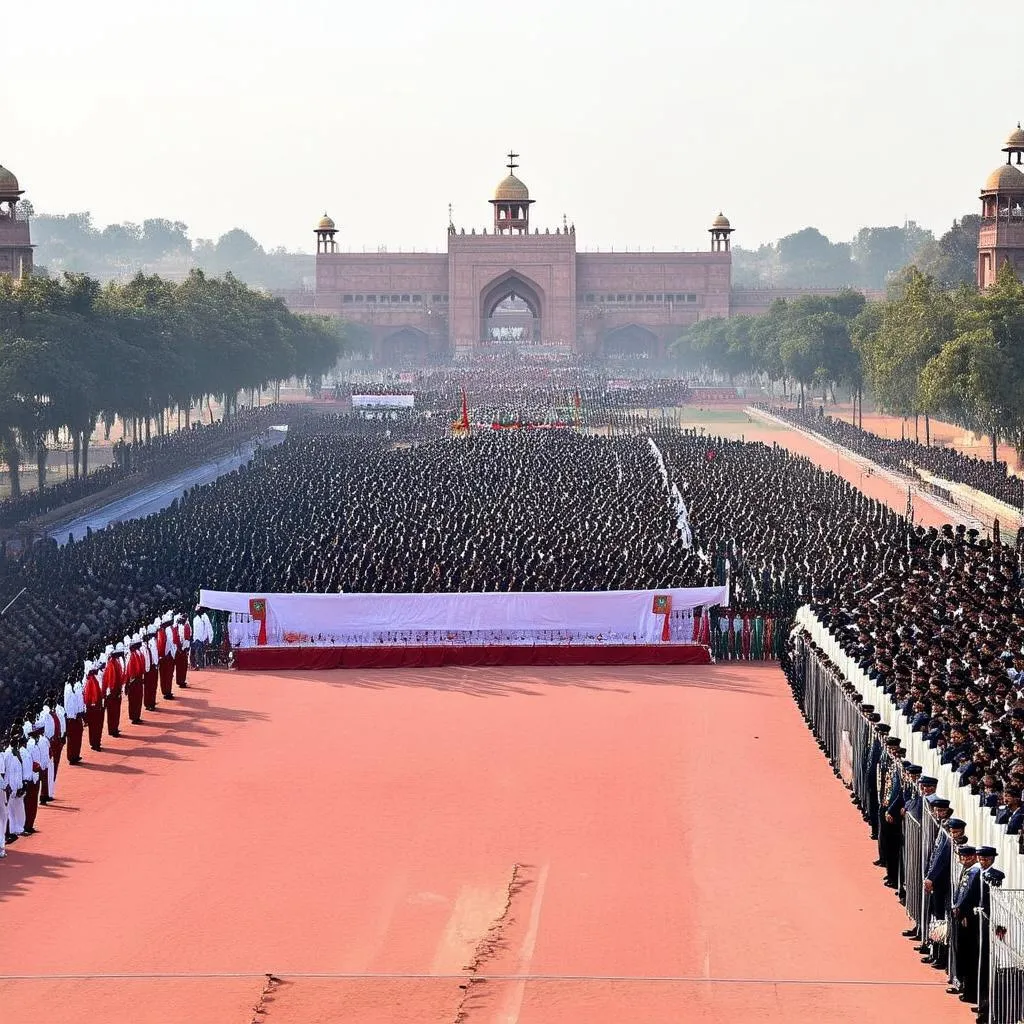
x=908 y=456
x=942 y=632
x=533 y=393
x=339 y=507
x=165 y=454
x=123 y=679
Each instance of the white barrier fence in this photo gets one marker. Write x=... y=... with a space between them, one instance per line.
x=981 y=825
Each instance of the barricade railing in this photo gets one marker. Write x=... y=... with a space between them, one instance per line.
x=912 y=869
x=998 y=946
x=1005 y=956
x=981 y=824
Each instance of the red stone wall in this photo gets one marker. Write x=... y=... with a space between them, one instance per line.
x=662 y=292
x=545 y=263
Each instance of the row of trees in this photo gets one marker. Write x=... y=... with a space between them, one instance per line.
x=74 y=352
x=924 y=351
x=807 y=258
x=73 y=243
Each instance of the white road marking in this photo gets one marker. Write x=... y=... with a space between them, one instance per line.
x=514 y=1003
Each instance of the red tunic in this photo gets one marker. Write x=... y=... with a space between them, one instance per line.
x=91 y=692
x=112 y=676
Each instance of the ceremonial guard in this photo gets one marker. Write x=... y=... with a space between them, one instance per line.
x=182 y=633
x=44 y=733
x=135 y=673
x=5 y=793
x=74 y=706
x=15 y=785
x=92 y=696
x=59 y=715
x=151 y=654
x=30 y=775
x=112 y=682
x=166 y=649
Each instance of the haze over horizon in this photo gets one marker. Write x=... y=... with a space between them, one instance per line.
x=638 y=122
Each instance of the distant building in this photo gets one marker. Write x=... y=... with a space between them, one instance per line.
x=1001 y=236
x=15 y=241
x=521 y=286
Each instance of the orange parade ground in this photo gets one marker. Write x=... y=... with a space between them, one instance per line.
x=591 y=844
x=541 y=846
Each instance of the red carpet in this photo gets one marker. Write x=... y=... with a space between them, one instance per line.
x=321 y=659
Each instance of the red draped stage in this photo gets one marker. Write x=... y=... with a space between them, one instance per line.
x=282 y=659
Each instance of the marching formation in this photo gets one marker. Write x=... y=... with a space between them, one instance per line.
x=130 y=672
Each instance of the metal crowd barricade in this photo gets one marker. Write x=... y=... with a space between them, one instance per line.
x=956 y=873
x=1006 y=956
x=912 y=868
x=929 y=830
x=845 y=737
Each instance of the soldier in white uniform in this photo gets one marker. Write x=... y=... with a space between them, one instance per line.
x=4 y=795
x=16 y=801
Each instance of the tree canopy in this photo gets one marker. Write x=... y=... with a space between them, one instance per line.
x=72 y=243
x=73 y=350
x=925 y=350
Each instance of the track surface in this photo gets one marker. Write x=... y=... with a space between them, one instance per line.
x=675 y=830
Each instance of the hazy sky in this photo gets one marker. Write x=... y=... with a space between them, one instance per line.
x=638 y=120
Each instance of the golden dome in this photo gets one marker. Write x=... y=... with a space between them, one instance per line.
x=511 y=190
x=721 y=221
x=1015 y=140
x=8 y=182
x=1005 y=178
x=326 y=224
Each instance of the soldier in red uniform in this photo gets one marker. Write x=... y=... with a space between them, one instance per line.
x=166 y=649
x=60 y=733
x=74 y=704
x=182 y=640
x=135 y=672
x=112 y=682
x=92 y=695
x=30 y=768
x=150 y=676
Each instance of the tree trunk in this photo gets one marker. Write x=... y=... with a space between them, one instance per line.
x=41 y=456
x=12 y=456
x=85 y=451
x=915 y=428
x=76 y=448
x=209 y=408
x=995 y=448
x=801 y=403
x=188 y=415
x=927 y=430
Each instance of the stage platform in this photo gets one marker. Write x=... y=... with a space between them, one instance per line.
x=320 y=659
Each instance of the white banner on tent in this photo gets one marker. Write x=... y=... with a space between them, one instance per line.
x=383 y=401
x=595 y=617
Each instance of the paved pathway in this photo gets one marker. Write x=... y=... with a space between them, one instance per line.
x=157 y=496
